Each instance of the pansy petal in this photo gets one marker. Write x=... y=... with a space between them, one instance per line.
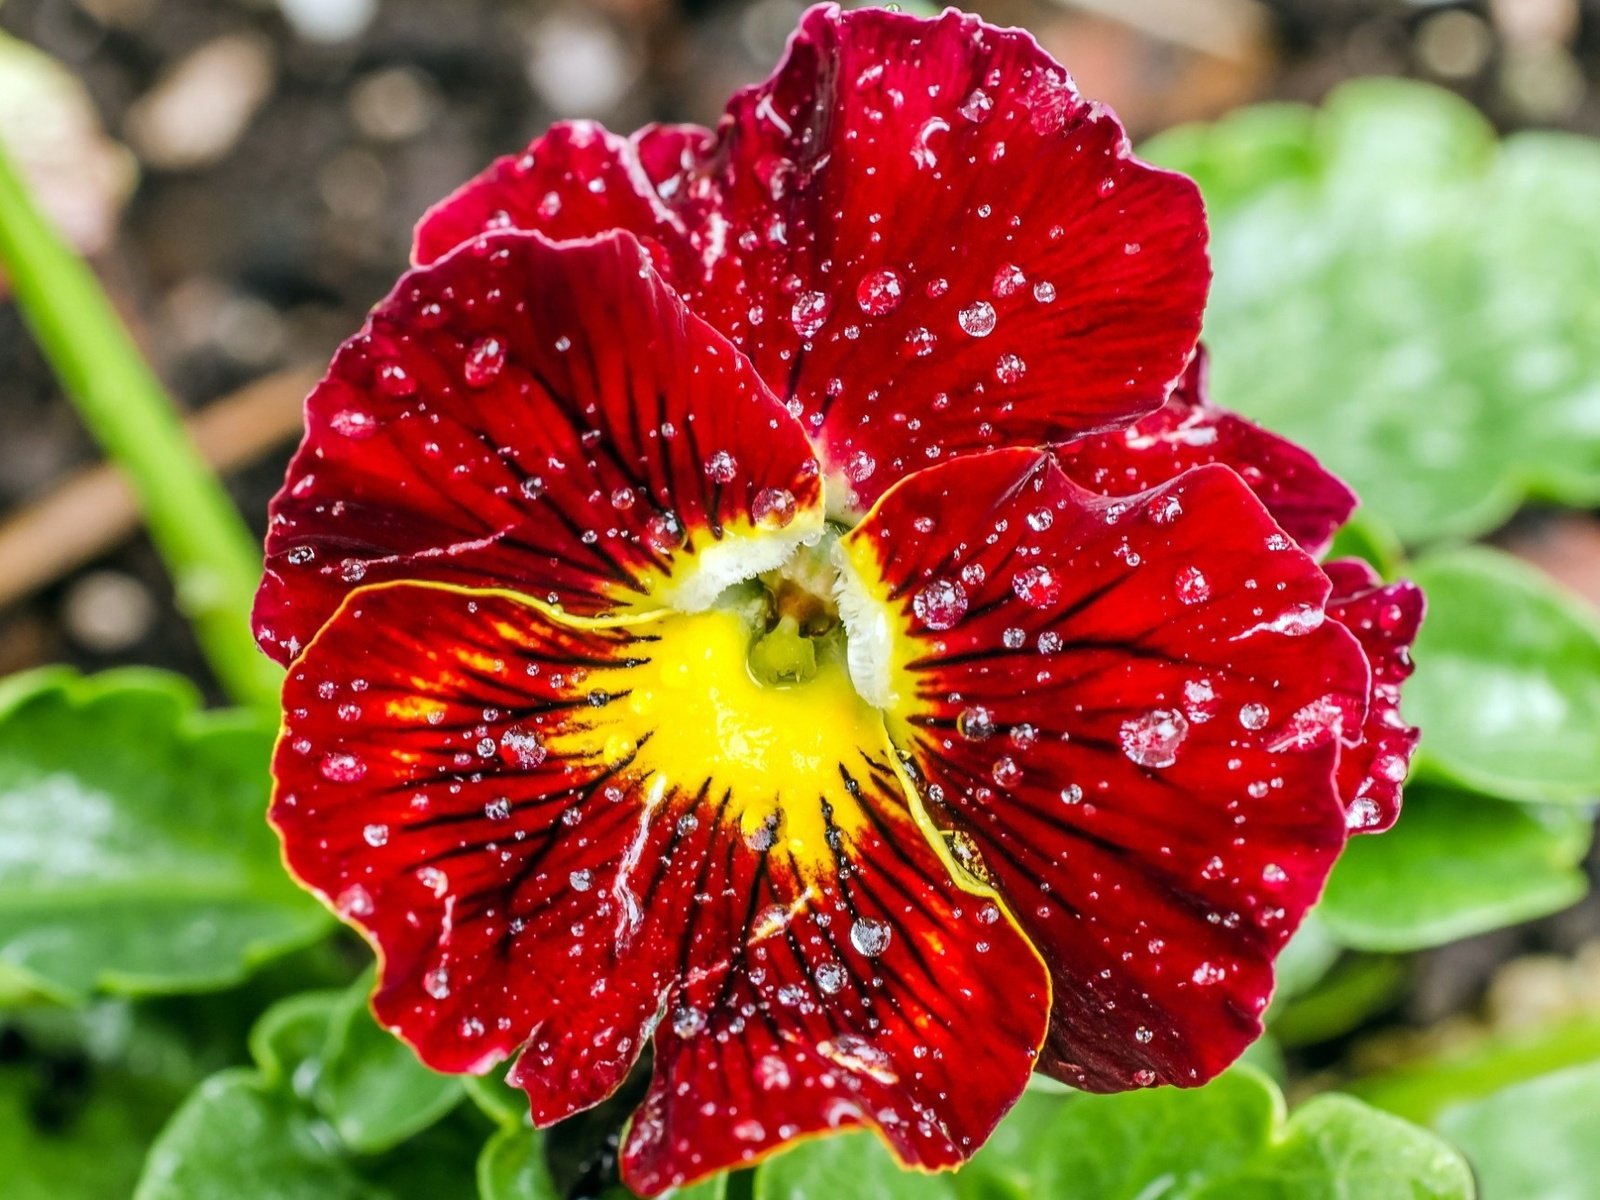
x=1189 y=431
x=917 y=229
x=1385 y=619
x=559 y=837
x=539 y=416
x=1128 y=712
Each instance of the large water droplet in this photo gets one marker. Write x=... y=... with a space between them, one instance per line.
x=809 y=313
x=871 y=936
x=484 y=362
x=977 y=318
x=940 y=604
x=1153 y=739
x=880 y=292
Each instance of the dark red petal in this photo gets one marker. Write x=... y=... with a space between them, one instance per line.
x=917 y=229
x=557 y=838
x=1385 y=619
x=1132 y=709
x=531 y=415
x=1189 y=431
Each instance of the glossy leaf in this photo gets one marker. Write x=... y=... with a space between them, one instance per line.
x=136 y=857
x=371 y=1086
x=1226 y=1141
x=1507 y=689
x=512 y=1167
x=1230 y=1140
x=254 y=1134
x=1536 y=1140
x=1455 y=865
x=1408 y=300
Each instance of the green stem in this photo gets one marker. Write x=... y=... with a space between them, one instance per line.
x=208 y=549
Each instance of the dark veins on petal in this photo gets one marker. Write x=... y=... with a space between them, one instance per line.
x=926 y=241
x=1131 y=720
x=533 y=825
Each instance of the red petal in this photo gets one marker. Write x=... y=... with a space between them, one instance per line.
x=1385 y=619
x=528 y=415
x=1302 y=496
x=544 y=863
x=917 y=230
x=1132 y=709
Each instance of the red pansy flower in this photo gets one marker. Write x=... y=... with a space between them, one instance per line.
x=675 y=659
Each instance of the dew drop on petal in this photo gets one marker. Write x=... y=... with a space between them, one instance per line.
x=977 y=318
x=484 y=362
x=437 y=983
x=1253 y=716
x=721 y=467
x=880 y=292
x=773 y=508
x=831 y=978
x=1153 y=739
x=940 y=604
x=1010 y=368
x=977 y=106
x=976 y=724
x=342 y=768
x=353 y=423
x=375 y=835
x=1193 y=586
x=1036 y=586
x=664 y=532
x=1044 y=291
x=810 y=313
x=871 y=936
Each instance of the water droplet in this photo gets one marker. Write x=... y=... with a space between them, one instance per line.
x=831 y=978
x=880 y=292
x=977 y=106
x=437 y=983
x=1206 y=974
x=1014 y=638
x=976 y=724
x=977 y=318
x=342 y=768
x=1253 y=716
x=301 y=555
x=352 y=570
x=521 y=748
x=1036 y=586
x=1044 y=291
x=354 y=901
x=581 y=880
x=921 y=341
x=1144 y=1077
x=940 y=604
x=1153 y=739
x=871 y=936
x=664 y=533
x=353 y=423
x=498 y=809
x=1040 y=519
x=1072 y=794
x=810 y=313
x=484 y=362
x=1008 y=280
x=721 y=467
x=394 y=380
x=860 y=467
x=774 y=508
x=1193 y=587
x=1005 y=771
x=1010 y=368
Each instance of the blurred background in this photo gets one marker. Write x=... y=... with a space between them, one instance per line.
x=1414 y=298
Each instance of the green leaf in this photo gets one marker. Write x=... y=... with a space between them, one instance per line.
x=134 y=851
x=1410 y=300
x=846 y=1164
x=1229 y=1141
x=1336 y=1148
x=1534 y=1141
x=371 y=1086
x=1455 y=865
x=1507 y=688
x=512 y=1167
x=85 y=1146
x=254 y=1134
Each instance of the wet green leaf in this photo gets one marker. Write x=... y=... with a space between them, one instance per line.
x=134 y=851
x=1536 y=1140
x=512 y=1167
x=1455 y=865
x=371 y=1086
x=1408 y=298
x=1507 y=688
